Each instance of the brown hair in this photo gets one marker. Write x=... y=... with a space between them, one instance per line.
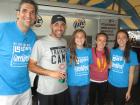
x=72 y=45
x=105 y=48
x=127 y=47
x=29 y=2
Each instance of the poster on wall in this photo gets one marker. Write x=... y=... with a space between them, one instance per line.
x=109 y=26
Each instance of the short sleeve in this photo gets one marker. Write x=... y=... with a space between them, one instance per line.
x=68 y=56
x=111 y=51
x=36 y=51
x=2 y=25
x=90 y=56
x=133 y=59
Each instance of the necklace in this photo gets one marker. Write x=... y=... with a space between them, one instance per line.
x=101 y=62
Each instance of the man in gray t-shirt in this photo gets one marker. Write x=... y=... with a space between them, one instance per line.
x=48 y=59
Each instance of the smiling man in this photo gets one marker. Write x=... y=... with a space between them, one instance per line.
x=48 y=59
x=16 y=42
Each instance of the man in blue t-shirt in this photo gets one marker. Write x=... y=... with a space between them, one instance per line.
x=16 y=42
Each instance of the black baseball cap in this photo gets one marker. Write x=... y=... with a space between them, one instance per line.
x=56 y=18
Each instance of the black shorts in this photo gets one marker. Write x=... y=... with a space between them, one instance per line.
x=57 y=99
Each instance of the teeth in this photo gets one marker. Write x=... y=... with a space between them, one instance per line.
x=59 y=32
x=28 y=20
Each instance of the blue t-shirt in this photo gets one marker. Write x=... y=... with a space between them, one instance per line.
x=119 y=72
x=78 y=74
x=15 y=49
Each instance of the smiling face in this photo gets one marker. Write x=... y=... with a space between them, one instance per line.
x=122 y=39
x=58 y=29
x=101 y=41
x=26 y=16
x=80 y=39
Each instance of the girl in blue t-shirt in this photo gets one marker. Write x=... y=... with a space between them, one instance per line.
x=79 y=57
x=123 y=61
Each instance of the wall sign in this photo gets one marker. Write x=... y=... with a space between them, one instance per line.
x=108 y=26
x=79 y=23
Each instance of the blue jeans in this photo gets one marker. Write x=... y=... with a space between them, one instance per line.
x=79 y=94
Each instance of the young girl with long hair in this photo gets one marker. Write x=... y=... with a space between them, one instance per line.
x=79 y=57
x=123 y=62
x=99 y=70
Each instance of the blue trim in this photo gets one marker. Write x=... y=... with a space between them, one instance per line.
x=83 y=2
x=128 y=8
x=64 y=1
x=104 y=4
x=123 y=25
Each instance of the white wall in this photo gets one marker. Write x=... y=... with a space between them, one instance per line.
x=8 y=13
x=90 y=27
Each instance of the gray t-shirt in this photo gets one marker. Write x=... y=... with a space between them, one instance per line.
x=50 y=53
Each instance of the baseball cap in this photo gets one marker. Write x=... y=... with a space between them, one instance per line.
x=56 y=18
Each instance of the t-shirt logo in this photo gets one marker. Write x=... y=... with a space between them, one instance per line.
x=62 y=66
x=20 y=54
x=81 y=67
x=58 y=55
x=118 y=63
